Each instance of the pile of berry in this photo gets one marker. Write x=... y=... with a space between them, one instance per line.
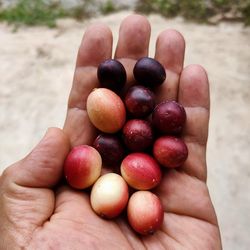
x=136 y=140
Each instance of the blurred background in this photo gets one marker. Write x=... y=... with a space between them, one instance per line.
x=38 y=45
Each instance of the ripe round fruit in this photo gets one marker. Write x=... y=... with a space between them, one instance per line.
x=82 y=166
x=110 y=148
x=137 y=135
x=169 y=117
x=106 y=110
x=112 y=75
x=109 y=195
x=145 y=212
x=170 y=152
x=149 y=72
x=141 y=171
x=139 y=101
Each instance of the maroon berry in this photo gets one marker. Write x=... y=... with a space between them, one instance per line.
x=170 y=152
x=137 y=135
x=112 y=75
x=169 y=117
x=110 y=148
x=139 y=101
x=149 y=72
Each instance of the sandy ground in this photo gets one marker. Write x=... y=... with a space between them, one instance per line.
x=36 y=68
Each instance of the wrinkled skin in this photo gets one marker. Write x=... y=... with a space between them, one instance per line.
x=36 y=215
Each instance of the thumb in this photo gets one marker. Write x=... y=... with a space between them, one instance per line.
x=25 y=201
x=42 y=167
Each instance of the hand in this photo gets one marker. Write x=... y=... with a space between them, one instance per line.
x=33 y=215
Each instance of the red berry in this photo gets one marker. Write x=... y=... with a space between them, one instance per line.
x=170 y=151
x=82 y=166
x=141 y=171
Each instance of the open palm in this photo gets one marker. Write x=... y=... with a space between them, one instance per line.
x=34 y=216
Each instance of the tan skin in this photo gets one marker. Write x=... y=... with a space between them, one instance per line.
x=35 y=216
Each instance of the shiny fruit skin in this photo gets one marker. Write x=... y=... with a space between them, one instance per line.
x=149 y=72
x=82 y=167
x=169 y=117
x=139 y=101
x=170 y=152
x=141 y=171
x=106 y=110
x=112 y=75
x=110 y=148
x=145 y=212
x=109 y=195
x=137 y=135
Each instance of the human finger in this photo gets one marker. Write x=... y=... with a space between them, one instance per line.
x=133 y=43
x=96 y=46
x=194 y=96
x=42 y=168
x=170 y=50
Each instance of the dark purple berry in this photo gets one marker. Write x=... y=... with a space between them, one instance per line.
x=112 y=75
x=139 y=101
x=110 y=148
x=149 y=72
